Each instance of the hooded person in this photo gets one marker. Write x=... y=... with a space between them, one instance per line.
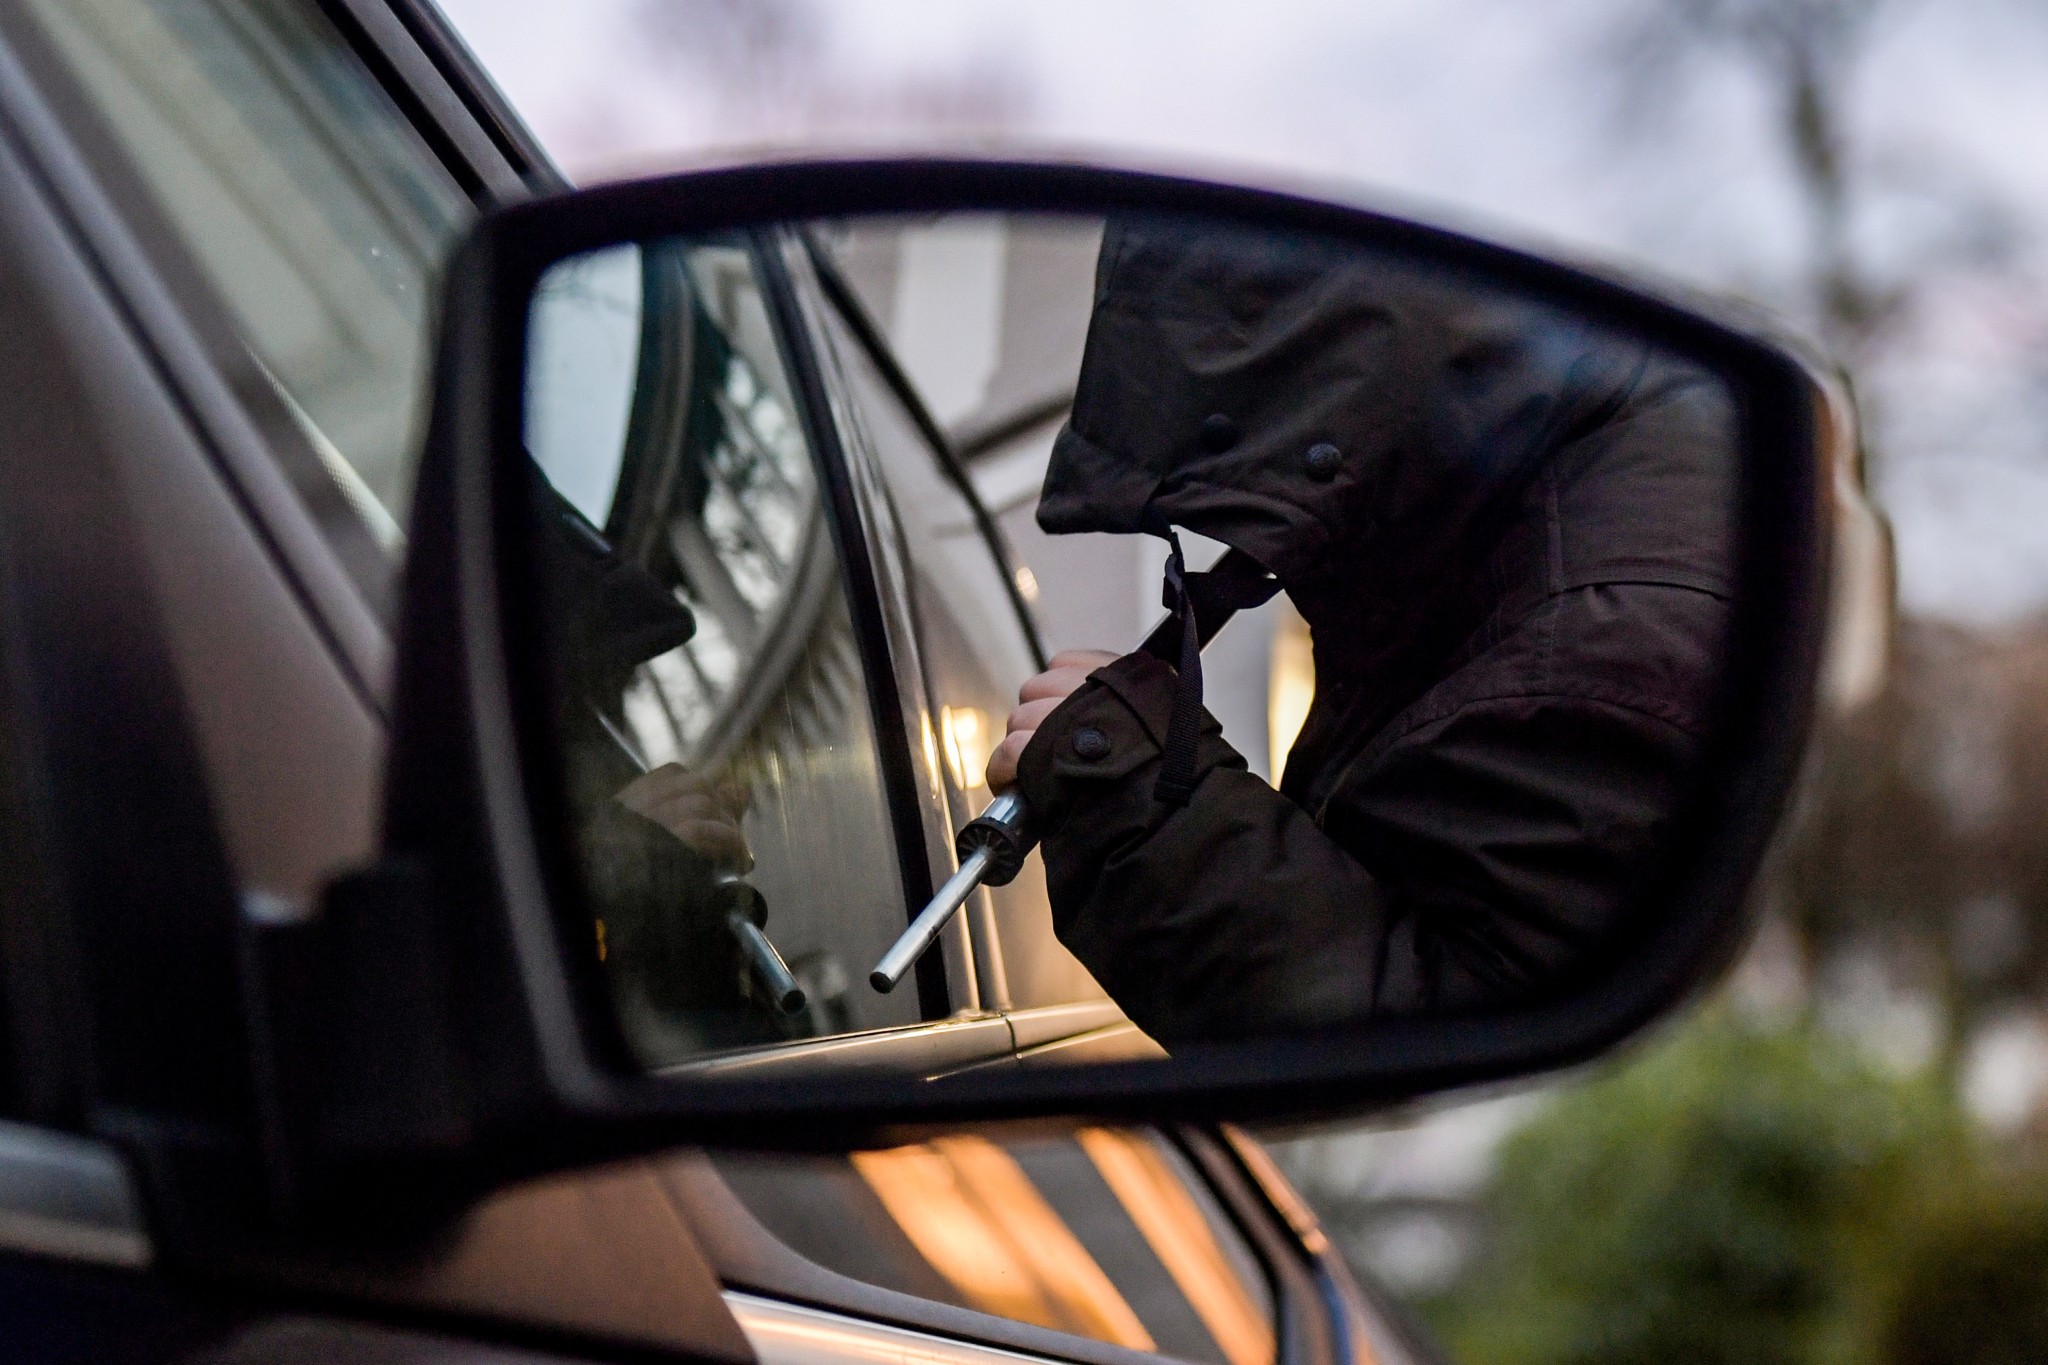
x=1509 y=534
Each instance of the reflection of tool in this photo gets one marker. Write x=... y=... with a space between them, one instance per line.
x=746 y=910
x=740 y=903
x=993 y=846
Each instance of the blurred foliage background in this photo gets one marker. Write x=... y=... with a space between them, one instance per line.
x=1751 y=1193
x=1745 y=1190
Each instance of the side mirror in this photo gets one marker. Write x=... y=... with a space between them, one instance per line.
x=1561 y=541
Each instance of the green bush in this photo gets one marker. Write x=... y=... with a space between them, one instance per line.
x=1731 y=1194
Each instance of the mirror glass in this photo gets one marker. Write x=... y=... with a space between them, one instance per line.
x=811 y=498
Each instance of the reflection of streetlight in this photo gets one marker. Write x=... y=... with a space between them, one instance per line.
x=1290 y=687
x=966 y=732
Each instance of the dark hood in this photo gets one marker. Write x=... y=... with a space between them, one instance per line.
x=1371 y=429
x=1513 y=554
x=607 y=614
x=1218 y=358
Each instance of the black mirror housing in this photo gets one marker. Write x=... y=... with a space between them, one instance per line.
x=440 y=1027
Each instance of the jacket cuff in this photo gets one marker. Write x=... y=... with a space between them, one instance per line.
x=1106 y=736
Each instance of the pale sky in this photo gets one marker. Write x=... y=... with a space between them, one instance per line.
x=1506 y=115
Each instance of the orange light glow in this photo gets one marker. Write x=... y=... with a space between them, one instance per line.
x=972 y=1212
x=932 y=745
x=1277 y=1188
x=1159 y=1203
x=1290 y=686
x=967 y=734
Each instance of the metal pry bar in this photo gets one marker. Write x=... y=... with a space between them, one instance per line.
x=992 y=849
x=909 y=947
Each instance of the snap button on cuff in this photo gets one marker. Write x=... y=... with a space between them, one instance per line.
x=1090 y=743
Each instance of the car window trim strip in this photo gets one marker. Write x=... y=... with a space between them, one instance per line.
x=436 y=41
x=423 y=96
x=795 y=1334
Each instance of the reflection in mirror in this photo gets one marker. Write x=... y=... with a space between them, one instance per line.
x=733 y=837
x=1497 y=538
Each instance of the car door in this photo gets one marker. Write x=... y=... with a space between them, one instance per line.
x=1189 y=1243
x=265 y=179
x=854 y=634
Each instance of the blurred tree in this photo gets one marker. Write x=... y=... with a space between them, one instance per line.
x=1921 y=834
x=1805 y=54
x=1732 y=1194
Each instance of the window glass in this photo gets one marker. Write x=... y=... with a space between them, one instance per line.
x=310 y=206
x=720 y=749
x=1107 y=1234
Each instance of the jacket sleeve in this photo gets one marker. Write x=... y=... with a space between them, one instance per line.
x=1482 y=849
x=1229 y=915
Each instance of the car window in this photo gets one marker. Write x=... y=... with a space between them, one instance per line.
x=715 y=710
x=311 y=208
x=974 y=652
x=1107 y=1234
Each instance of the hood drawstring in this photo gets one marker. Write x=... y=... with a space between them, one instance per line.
x=1195 y=599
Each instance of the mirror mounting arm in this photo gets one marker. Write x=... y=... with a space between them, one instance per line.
x=357 y=1057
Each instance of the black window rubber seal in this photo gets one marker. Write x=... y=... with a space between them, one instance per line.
x=885 y=701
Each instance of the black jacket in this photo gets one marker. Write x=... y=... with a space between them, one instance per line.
x=1510 y=537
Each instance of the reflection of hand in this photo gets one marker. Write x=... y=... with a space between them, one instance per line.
x=699 y=813
x=1037 y=699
